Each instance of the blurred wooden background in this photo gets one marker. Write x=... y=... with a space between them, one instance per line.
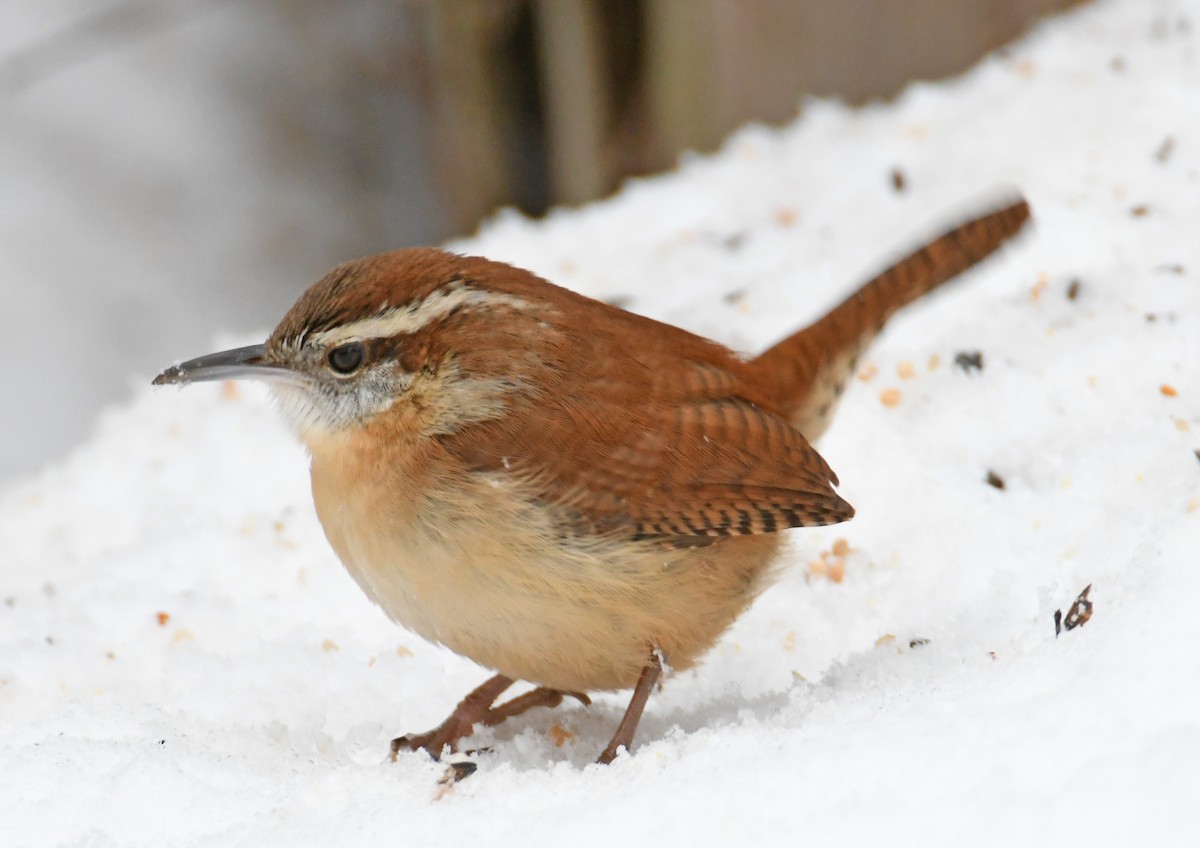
x=459 y=107
x=536 y=102
x=421 y=117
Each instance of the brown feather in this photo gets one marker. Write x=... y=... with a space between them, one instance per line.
x=644 y=442
x=806 y=372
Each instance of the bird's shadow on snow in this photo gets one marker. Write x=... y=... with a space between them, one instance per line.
x=576 y=734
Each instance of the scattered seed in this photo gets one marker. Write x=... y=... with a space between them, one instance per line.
x=456 y=772
x=1165 y=150
x=890 y=397
x=1078 y=615
x=969 y=360
x=995 y=480
x=734 y=241
x=1168 y=391
x=918 y=642
x=330 y=646
x=560 y=735
x=899 y=182
x=1073 y=289
x=163 y=618
x=1080 y=612
x=1140 y=211
x=832 y=564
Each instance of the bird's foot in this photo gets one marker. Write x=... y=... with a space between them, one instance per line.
x=475 y=709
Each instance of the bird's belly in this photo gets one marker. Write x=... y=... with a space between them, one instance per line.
x=485 y=575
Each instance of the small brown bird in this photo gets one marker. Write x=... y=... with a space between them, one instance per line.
x=564 y=492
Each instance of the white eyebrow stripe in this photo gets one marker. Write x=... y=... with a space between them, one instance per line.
x=402 y=320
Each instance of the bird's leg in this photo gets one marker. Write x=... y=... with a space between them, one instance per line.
x=470 y=711
x=540 y=697
x=477 y=708
x=623 y=738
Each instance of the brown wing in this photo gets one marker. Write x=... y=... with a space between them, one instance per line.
x=654 y=446
x=721 y=468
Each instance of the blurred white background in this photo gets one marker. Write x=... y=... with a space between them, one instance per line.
x=169 y=170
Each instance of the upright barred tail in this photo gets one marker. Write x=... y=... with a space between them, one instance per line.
x=806 y=372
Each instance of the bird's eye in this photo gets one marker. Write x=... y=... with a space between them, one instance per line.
x=346 y=358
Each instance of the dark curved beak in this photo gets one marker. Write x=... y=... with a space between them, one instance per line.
x=236 y=364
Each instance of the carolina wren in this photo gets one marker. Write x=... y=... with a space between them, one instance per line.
x=564 y=492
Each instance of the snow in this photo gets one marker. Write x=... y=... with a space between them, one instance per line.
x=183 y=660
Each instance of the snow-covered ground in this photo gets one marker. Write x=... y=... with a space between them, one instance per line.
x=183 y=661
